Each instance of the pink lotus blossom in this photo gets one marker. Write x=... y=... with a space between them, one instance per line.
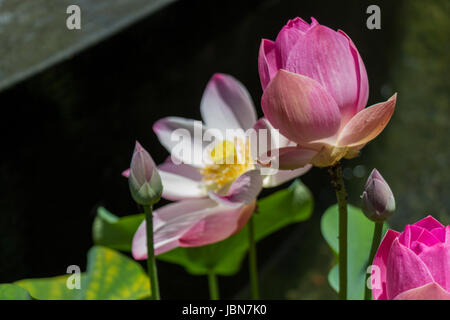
x=315 y=92
x=215 y=199
x=415 y=264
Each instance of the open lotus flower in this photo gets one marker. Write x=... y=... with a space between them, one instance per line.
x=215 y=184
x=414 y=264
x=315 y=92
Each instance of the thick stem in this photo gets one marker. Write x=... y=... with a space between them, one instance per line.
x=213 y=286
x=337 y=181
x=253 y=266
x=377 y=231
x=151 y=262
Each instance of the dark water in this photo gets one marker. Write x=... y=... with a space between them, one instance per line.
x=69 y=131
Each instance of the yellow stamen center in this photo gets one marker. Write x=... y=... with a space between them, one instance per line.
x=229 y=160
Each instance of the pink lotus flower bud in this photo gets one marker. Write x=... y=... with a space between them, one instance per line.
x=414 y=264
x=322 y=54
x=377 y=198
x=315 y=92
x=144 y=180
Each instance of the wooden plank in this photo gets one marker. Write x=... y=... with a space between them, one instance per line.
x=34 y=35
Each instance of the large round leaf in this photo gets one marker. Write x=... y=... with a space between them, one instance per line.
x=110 y=275
x=114 y=232
x=53 y=288
x=9 y=291
x=113 y=276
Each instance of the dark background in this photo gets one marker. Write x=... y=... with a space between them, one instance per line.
x=68 y=132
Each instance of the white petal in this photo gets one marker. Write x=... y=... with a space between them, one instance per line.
x=226 y=104
x=183 y=138
x=181 y=181
x=284 y=175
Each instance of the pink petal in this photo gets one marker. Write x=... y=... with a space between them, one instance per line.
x=139 y=245
x=439 y=233
x=126 y=173
x=170 y=222
x=142 y=165
x=325 y=56
x=267 y=62
x=405 y=270
x=367 y=124
x=218 y=226
x=190 y=223
x=300 y=24
x=288 y=37
x=242 y=191
x=410 y=234
x=427 y=238
x=269 y=138
x=361 y=76
x=183 y=138
x=300 y=108
x=290 y=158
x=416 y=238
x=430 y=291
x=447 y=235
x=185 y=170
x=374 y=175
x=437 y=259
x=429 y=223
x=284 y=175
x=180 y=181
x=226 y=104
x=287 y=158
x=380 y=260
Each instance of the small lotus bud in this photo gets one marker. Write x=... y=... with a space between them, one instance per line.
x=378 y=202
x=144 y=180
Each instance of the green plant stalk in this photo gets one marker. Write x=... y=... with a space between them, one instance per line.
x=151 y=262
x=252 y=259
x=377 y=231
x=337 y=181
x=213 y=286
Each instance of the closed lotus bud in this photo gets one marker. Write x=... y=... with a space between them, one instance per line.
x=144 y=180
x=377 y=198
x=315 y=93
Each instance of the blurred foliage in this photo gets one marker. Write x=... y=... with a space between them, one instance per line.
x=53 y=288
x=109 y=276
x=9 y=291
x=413 y=153
x=114 y=232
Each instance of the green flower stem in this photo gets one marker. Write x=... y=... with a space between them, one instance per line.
x=253 y=266
x=337 y=181
x=377 y=231
x=213 y=286
x=151 y=262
